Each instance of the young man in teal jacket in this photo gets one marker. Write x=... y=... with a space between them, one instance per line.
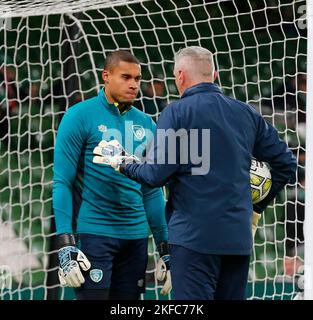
x=102 y=217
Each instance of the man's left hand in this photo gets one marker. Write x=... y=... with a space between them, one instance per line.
x=163 y=272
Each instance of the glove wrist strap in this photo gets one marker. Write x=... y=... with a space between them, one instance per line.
x=66 y=239
x=163 y=249
x=122 y=167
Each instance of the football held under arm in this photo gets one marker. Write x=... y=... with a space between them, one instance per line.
x=271 y=149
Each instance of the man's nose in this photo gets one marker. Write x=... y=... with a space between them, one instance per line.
x=134 y=85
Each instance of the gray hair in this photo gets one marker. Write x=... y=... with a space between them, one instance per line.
x=197 y=60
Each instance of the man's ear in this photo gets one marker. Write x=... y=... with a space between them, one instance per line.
x=105 y=76
x=181 y=76
x=215 y=75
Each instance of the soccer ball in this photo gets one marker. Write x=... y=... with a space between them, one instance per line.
x=260 y=180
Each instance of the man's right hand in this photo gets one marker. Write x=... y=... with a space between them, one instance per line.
x=72 y=261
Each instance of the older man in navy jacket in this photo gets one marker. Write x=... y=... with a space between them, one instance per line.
x=210 y=202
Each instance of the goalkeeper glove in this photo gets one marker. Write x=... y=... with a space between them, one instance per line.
x=113 y=154
x=72 y=260
x=163 y=268
x=255 y=220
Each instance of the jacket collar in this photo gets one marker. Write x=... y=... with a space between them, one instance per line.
x=200 y=87
x=110 y=106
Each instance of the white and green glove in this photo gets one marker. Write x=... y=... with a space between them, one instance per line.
x=113 y=154
x=72 y=262
x=163 y=268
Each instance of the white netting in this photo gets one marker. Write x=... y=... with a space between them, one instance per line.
x=52 y=54
x=24 y=8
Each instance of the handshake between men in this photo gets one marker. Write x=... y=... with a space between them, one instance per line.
x=113 y=154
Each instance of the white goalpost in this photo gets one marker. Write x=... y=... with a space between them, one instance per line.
x=308 y=267
x=52 y=55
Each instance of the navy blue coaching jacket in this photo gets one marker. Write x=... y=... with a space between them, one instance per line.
x=212 y=213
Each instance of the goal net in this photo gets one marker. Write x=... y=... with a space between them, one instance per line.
x=51 y=56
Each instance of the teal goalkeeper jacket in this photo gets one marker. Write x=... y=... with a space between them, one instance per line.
x=95 y=199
